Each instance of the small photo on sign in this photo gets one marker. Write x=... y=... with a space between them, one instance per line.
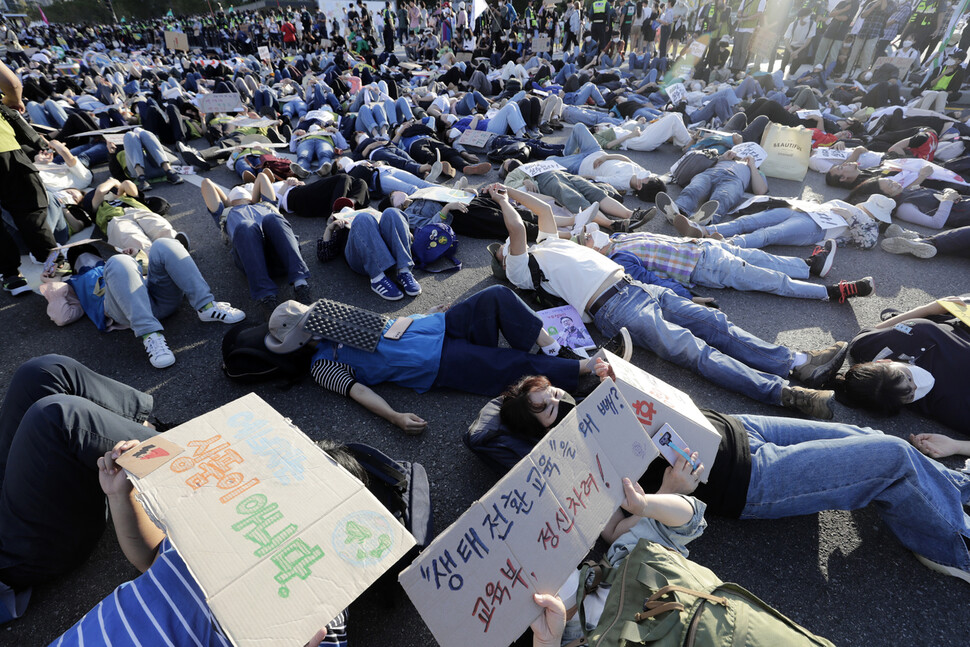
x=148 y=456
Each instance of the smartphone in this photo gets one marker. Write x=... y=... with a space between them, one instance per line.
x=672 y=446
x=500 y=191
x=396 y=331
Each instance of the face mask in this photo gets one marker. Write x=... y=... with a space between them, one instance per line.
x=907 y=44
x=924 y=382
x=566 y=404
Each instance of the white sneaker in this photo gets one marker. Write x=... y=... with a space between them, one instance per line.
x=223 y=312
x=940 y=568
x=158 y=351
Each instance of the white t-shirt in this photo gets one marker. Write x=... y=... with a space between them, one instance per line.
x=572 y=272
x=616 y=173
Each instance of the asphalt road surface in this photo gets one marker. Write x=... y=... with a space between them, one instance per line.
x=841 y=574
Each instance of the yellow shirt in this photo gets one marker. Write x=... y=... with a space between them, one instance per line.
x=8 y=140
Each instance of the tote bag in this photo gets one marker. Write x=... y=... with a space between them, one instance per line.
x=789 y=150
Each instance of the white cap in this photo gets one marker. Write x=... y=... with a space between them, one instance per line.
x=240 y=193
x=880 y=206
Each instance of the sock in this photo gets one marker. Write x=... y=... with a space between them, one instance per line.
x=552 y=349
x=144 y=337
x=377 y=279
x=800 y=359
x=297 y=283
x=208 y=306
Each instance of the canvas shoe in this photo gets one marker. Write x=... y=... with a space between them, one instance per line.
x=143 y=185
x=820 y=262
x=666 y=206
x=183 y=239
x=620 y=344
x=158 y=351
x=952 y=571
x=822 y=365
x=902 y=245
x=266 y=306
x=298 y=171
x=302 y=294
x=409 y=284
x=222 y=311
x=173 y=177
x=817 y=404
x=686 y=228
x=386 y=289
x=848 y=289
x=706 y=212
x=15 y=284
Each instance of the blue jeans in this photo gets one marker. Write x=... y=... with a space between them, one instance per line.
x=719 y=107
x=397 y=158
x=139 y=303
x=714 y=184
x=588 y=116
x=698 y=338
x=781 y=226
x=581 y=96
x=580 y=144
x=295 y=109
x=138 y=142
x=311 y=153
x=90 y=154
x=509 y=118
x=375 y=246
x=263 y=243
x=399 y=111
x=394 y=179
x=58 y=417
x=49 y=114
x=802 y=467
x=722 y=265
x=468 y=102
x=371 y=119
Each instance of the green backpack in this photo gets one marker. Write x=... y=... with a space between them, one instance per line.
x=659 y=598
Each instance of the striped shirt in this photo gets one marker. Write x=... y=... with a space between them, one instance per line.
x=673 y=258
x=163 y=606
x=333 y=376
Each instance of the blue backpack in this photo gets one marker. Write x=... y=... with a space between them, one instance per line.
x=432 y=242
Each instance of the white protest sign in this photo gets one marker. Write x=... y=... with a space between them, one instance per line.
x=252 y=122
x=533 y=169
x=805 y=114
x=474 y=584
x=263 y=52
x=219 y=102
x=443 y=194
x=823 y=215
x=750 y=149
x=656 y=403
x=829 y=153
x=176 y=40
x=475 y=138
x=266 y=521
x=463 y=57
x=117 y=139
x=540 y=44
x=677 y=93
x=349 y=213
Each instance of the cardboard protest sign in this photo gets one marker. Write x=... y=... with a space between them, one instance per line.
x=960 y=310
x=475 y=138
x=443 y=194
x=263 y=52
x=656 y=403
x=279 y=537
x=474 y=584
x=901 y=63
x=463 y=57
x=176 y=40
x=219 y=102
x=540 y=44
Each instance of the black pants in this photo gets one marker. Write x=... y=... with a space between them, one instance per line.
x=22 y=193
x=426 y=150
x=57 y=419
x=773 y=110
x=953 y=242
x=882 y=95
x=484 y=220
x=315 y=200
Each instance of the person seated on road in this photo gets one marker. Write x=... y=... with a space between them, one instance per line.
x=717 y=264
x=915 y=359
x=375 y=247
x=720 y=188
x=436 y=350
x=262 y=241
x=116 y=209
x=179 y=615
x=114 y=295
x=771 y=467
x=671 y=326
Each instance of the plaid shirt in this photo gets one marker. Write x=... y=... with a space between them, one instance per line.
x=896 y=20
x=674 y=258
x=875 y=23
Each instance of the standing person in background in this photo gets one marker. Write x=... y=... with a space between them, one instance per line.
x=925 y=24
x=574 y=26
x=799 y=37
x=388 y=15
x=749 y=18
x=599 y=13
x=628 y=15
x=837 y=28
x=875 y=16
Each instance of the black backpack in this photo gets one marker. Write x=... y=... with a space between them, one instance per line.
x=246 y=359
x=493 y=442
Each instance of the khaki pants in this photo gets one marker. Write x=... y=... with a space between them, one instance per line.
x=137 y=230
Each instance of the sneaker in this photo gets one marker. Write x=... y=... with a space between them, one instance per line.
x=822 y=365
x=565 y=352
x=620 y=344
x=620 y=226
x=686 y=228
x=706 y=212
x=409 y=284
x=908 y=246
x=895 y=231
x=386 y=289
x=641 y=217
x=173 y=177
x=302 y=294
x=142 y=184
x=477 y=169
x=666 y=206
x=952 y=571
x=299 y=171
x=183 y=240
x=15 y=284
x=461 y=183
x=847 y=289
x=546 y=129
x=325 y=169
x=265 y=306
x=248 y=177
x=434 y=173
x=192 y=157
x=817 y=404
x=158 y=351
x=820 y=262
x=223 y=312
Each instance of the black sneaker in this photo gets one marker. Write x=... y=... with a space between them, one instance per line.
x=302 y=294
x=817 y=404
x=192 y=157
x=15 y=284
x=143 y=185
x=565 y=352
x=183 y=240
x=641 y=217
x=848 y=289
x=173 y=177
x=666 y=206
x=822 y=365
x=620 y=344
x=820 y=262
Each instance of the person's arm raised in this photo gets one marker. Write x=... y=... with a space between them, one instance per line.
x=542 y=210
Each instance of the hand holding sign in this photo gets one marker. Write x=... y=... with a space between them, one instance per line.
x=113 y=479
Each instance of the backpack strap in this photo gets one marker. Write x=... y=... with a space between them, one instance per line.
x=383 y=466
